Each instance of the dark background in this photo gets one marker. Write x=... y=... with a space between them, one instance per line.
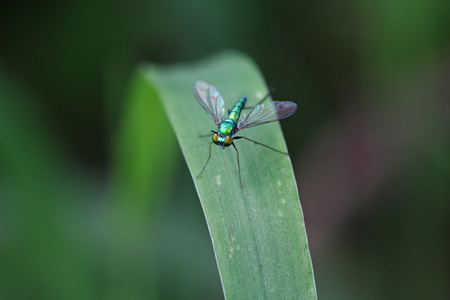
x=370 y=142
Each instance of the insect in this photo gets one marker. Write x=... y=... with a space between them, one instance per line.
x=238 y=117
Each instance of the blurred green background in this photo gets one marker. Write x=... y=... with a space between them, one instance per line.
x=370 y=144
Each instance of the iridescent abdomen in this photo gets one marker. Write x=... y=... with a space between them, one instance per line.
x=236 y=110
x=228 y=126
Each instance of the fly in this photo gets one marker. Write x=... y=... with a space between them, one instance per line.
x=237 y=119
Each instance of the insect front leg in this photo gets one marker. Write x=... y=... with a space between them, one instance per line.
x=210 y=144
x=206 y=135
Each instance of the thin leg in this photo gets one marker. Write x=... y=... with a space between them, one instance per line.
x=207 y=135
x=243 y=137
x=210 y=144
x=271 y=90
x=239 y=166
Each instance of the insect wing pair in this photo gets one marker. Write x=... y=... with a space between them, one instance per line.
x=262 y=113
x=212 y=102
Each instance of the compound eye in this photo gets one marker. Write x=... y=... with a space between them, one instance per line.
x=228 y=141
x=214 y=138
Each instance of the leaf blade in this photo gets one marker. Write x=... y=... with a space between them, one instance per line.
x=257 y=232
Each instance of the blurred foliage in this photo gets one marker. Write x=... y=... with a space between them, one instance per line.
x=370 y=142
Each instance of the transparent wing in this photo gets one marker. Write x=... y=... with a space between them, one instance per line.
x=211 y=101
x=266 y=113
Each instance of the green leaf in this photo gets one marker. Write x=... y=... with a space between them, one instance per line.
x=142 y=164
x=257 y=231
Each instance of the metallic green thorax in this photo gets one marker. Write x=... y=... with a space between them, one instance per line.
x=228 y=126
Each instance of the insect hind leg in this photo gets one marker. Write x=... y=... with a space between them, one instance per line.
x=261 y=144
x=269 y=93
